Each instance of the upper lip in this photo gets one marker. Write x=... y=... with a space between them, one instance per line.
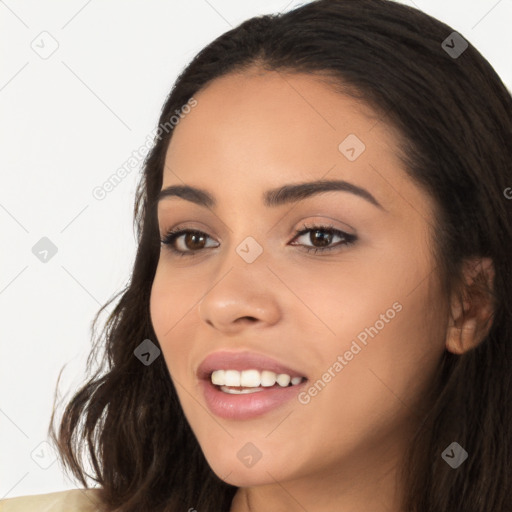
x=224 y=360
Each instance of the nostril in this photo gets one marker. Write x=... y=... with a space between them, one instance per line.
x=250 y=319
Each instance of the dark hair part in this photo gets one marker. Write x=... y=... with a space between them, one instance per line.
x=454 y=116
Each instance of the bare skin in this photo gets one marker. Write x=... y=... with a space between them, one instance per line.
x=340 y=450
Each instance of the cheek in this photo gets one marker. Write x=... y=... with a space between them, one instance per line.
x=389 y=361
x=378 y=316
x=167 y=306
x=173 y=294
x=159 y=305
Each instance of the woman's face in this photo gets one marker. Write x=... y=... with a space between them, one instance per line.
x=364 y=323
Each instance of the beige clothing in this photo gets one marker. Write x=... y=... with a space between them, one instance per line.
x=74 y=500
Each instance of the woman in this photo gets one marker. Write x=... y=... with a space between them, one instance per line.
x=319 y=316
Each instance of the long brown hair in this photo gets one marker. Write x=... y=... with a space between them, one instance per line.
x=455 y=117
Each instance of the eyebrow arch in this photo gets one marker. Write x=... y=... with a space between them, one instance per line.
x=274 y=197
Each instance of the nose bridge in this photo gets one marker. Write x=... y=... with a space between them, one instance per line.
x=247 y=239
x=241 y=287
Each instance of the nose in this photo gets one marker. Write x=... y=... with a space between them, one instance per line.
x=240 y=298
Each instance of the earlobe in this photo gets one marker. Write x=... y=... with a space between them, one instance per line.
x=462 y=339
x=471 y=317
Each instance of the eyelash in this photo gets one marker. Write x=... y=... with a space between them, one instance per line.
x=349 y=239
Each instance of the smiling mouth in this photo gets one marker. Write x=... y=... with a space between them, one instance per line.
x=248 y=394
x=251 y=381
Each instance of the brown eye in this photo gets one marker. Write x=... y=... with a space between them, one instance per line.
x=185 y=241
x=318 y=236
x=194 y=241
x=190 y=242
x=321 y=238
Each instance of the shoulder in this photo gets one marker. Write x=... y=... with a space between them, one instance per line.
x=74 y=500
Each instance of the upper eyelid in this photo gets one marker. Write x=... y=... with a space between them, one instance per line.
x=325 y=222
x=313 y=225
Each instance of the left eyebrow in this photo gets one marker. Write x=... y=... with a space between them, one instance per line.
x=274 y=197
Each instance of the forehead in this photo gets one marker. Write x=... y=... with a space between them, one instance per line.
x=258 y=130
x=285 y=116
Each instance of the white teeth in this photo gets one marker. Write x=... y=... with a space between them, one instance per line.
x=268 y=378
x=232 y=378
x=240 y=391
x=283 y=379
x=218 y=378
x=251 y=379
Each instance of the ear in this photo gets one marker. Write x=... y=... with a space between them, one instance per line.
x=472 y=307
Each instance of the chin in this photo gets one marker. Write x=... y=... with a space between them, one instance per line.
x=234 y=472
x=246 y=477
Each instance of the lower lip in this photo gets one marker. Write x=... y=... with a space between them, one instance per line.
x=247 y=406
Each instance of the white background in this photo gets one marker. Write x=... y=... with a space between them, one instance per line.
x=67 y=123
